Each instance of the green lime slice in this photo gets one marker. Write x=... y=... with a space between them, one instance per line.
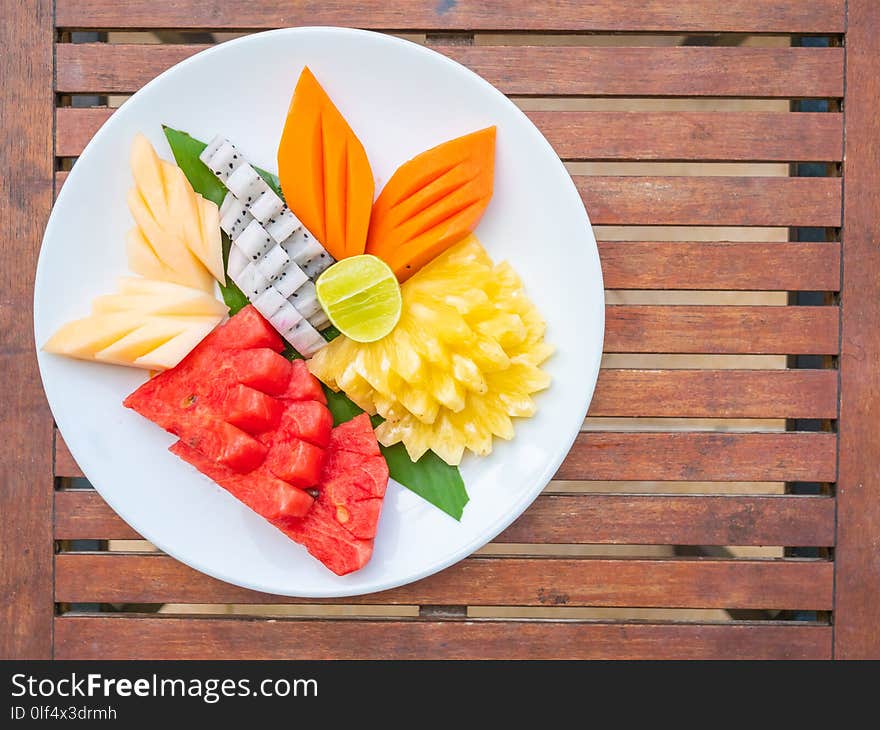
x=361 y=297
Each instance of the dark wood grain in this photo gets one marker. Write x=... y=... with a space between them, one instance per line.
x=82 y=514
x=65 y=464
x=675 y=520
x=678 y=201
x=531 y=70
x=82 y=637
x=696 y=456
x=666 y=583
x=741 y=16
x=716 y=393
x=701 y=136
x=720 y=265
x=688 y=456
x=720 y=201
x=572 y=519
x=735 y=136
x=857 y=604
x=722 y=329
x=26 y=158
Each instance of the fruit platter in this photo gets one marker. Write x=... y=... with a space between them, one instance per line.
x=319 y=312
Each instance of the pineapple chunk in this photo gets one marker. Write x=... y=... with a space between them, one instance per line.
x=461 y=363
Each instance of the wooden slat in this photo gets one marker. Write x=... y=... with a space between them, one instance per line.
x=739 y=16
x=696 y=456
x=618 y=135
x=722 y=329
x=575 y=519
x=704 y=136
x=857 y=630
x=65 y=464
x=531 y=70
x=675 y=520
x=679 y=201
x=127 y=637
x=667 y=583
x=711 y=201
x=682 y=456
x=27 y=102
x=716 y=393
x=82 y=514
x=706 y=265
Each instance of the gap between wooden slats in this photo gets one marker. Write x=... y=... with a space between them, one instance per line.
x=737 y=16
x=130 y=637
x=616 y=519
x=680 y=456
x=677 y=201
x=481 y=581
x=531 y=70
x=706 y=136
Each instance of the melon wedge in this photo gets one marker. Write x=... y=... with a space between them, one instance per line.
x=153 y=333
x=158 y=297
x=324 y=170
x=82 y=338
x=432 y=202
x=179 y=227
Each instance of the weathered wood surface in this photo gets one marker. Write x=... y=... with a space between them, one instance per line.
x=857 y=606
x=570 y=519
x=26 y=157
x=81 y=637
x=738 y=16
x=530 y=70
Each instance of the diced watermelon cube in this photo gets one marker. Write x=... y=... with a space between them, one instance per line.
x=303 y=385
x=251 y=410
x=308 y=420
x=295 y=461
x=264 y=493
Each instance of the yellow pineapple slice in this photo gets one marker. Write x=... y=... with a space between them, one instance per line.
x=462 y=362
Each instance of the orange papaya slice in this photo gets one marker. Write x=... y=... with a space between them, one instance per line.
x=324 y=171
x=432 y=202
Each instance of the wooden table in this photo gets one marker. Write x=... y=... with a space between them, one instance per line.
x=819 y=599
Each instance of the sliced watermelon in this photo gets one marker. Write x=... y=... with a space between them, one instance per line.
x=247 y=330
x=264 y=493
x=303 y=385
x=251 y=410
x=308 y=420
x=295 y=461
x=340 y=528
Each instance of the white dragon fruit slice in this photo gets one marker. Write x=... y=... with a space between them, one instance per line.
x=238 y=260
x=320 y=321
x=266 y=206
x=290 y=279
x=282 y=226
x=233 y=217
x=305 y=338
x=285 y=318
x=269 y=303
x=212 y=147
x=305 y=299
x=302 y=247
x=272 y=263
x=224 y=161
x=316 y=266
x=247 y=185
x=254 y=240
x=251 y=281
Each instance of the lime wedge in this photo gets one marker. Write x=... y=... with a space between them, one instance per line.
x=361 y=297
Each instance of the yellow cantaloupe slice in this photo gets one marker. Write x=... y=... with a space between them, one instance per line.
x=166 y=356
x=82 y=338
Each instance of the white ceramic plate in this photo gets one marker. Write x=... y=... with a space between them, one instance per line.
x=400 y=99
